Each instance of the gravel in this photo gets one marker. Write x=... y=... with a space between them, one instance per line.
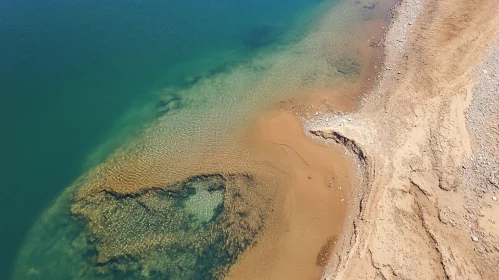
x=480 y=179
x=482 y=119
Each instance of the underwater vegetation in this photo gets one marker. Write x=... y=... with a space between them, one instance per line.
x=194 y=229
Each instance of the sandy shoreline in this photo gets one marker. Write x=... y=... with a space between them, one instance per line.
x=424 y=144
x=306 y=185
x=426 y=141
x=286 y=192
x=299 y=252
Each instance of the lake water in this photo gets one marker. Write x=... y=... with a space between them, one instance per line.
x=131 y=95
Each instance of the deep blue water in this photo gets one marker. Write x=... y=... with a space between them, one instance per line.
x=69 y=69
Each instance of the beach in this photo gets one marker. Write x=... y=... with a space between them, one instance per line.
x=425 y=140
x=364 y=148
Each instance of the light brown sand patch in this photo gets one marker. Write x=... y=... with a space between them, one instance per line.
x=316 y=186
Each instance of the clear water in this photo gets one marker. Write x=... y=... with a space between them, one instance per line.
x=80 y=79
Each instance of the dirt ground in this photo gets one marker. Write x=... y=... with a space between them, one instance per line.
x=427 y=143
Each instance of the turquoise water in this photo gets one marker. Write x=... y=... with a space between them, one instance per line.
x=136 y=83
x=72 y=69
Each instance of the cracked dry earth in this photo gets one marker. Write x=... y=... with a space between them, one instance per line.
x=426 y=208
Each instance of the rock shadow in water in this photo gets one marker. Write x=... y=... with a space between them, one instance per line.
x=259 y=37
x=346 y=66
x=168 y=103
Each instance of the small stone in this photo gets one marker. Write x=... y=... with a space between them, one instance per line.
x=494 y=198
x=474 y=238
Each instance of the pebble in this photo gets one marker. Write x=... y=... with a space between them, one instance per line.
x=494 y=198
x=474 y=238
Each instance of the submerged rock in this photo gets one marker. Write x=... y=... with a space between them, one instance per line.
x=347 y=66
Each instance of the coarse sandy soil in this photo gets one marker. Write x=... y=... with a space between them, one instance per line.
x=426 y=140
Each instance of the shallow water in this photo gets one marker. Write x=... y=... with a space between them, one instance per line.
x=168 y=90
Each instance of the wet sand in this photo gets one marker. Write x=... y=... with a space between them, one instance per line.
x=315 y=186
x=306 y=186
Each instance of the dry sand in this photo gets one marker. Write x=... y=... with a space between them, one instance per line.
x=426 y=142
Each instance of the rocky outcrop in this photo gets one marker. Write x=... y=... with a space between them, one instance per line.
x=414 y=218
